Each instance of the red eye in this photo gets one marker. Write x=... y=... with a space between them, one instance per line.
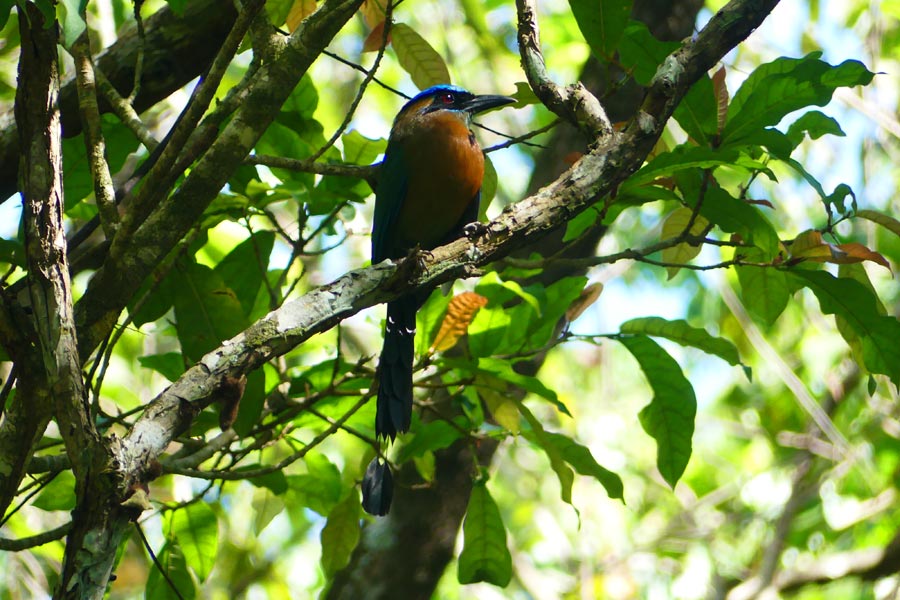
x=447 y=98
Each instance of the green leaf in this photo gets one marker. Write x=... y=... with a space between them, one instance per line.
x=687 y=156
x=252 y=403
x=696 y=113
x=173 y=562
x=275 y=482
x=502 y=369
x=886 y=221
x=491 y=284
x=197 y=530
x=416 y=56
x=429 y=319
x=557 y=462
x=244 y=268
x=59 y=494
x=787 y=84
x=435 y=435
x=669 y=418
x=207 y=311
x=584 y=464
x=736 y=216
x=340 y=535
x=170 y=365
x=641 y=53
x=764 y=290
x=77 y=182
x=858 y=306
x=680 y=332
x=488 y=188
x=69 y=14
x=360 y=150
x=5 y=11
x=487 y=330
x=815 y=124
x=602 y=23
x=178 y=6
x=320 y=488
x=484 y=556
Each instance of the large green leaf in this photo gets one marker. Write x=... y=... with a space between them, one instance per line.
x=197 y=530
x=244 y=268
x=423 y=63
x=858 y=307
x=736 y=216
x=782 y=86
x=540 y=437
x=764 y=290
x=429 y=437
x=585 y=464
x=680 y=332
x=669 y=418
x=340 y=534
x=207 y=311
x=641 y=53
x=696 y=113
x=484 y=556
x=320 y=488
x=602 y=23
x=173 y=562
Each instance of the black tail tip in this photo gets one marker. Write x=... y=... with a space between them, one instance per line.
x=377 y=488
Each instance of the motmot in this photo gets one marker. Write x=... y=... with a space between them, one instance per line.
x=429 y=189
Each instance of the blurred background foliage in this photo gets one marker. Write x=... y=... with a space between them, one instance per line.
x=766 y=493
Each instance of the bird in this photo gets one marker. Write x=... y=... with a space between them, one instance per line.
x=428 y=190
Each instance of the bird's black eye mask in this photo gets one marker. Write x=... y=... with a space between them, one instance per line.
x=448 y=101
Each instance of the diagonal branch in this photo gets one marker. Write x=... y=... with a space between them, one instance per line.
x=595 y=175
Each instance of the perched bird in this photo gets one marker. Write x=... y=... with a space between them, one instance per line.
x=428 y=190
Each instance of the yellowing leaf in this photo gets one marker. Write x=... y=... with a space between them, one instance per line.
x=300 y=9
x=502 y=408
x=673 y=226
x=418 y=58
x=587 y=297
x=810 y=245
x=460 y=312
x=373 y=12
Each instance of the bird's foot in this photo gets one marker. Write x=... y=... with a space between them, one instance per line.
x=475 y=229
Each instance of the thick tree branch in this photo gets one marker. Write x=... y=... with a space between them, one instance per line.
x=176 y=50
x=595 y=175
x=124 y=270
x=573 y=103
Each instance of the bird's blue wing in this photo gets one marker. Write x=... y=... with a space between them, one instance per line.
x=389 y=197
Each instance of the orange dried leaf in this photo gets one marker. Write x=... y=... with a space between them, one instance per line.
x=373 y=40
x=587 y=297
x=460 y=312
x=856 y=252
x=572 y=157
x=300 y=9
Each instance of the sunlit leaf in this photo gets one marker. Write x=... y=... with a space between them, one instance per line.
x=675 y=225
x=784 y=85
x=886 y=221
x=585 y=464
x=680 y=332
x=300 y=9
x=431 y=436
x=669 y=418
x=484 y=556
x=764 y=290
x=857 y=305
x=197 y=530
x=539 y=436
x=416 y=56
x=69 y=14
x=340 y=534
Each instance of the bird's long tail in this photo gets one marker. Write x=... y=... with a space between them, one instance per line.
x=394 y=406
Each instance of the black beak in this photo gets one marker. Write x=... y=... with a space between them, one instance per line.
x=482 y=103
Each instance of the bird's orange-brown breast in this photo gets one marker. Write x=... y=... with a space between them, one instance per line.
x=446 y=168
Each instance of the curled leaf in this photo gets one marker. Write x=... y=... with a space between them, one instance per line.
x=587 y=297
